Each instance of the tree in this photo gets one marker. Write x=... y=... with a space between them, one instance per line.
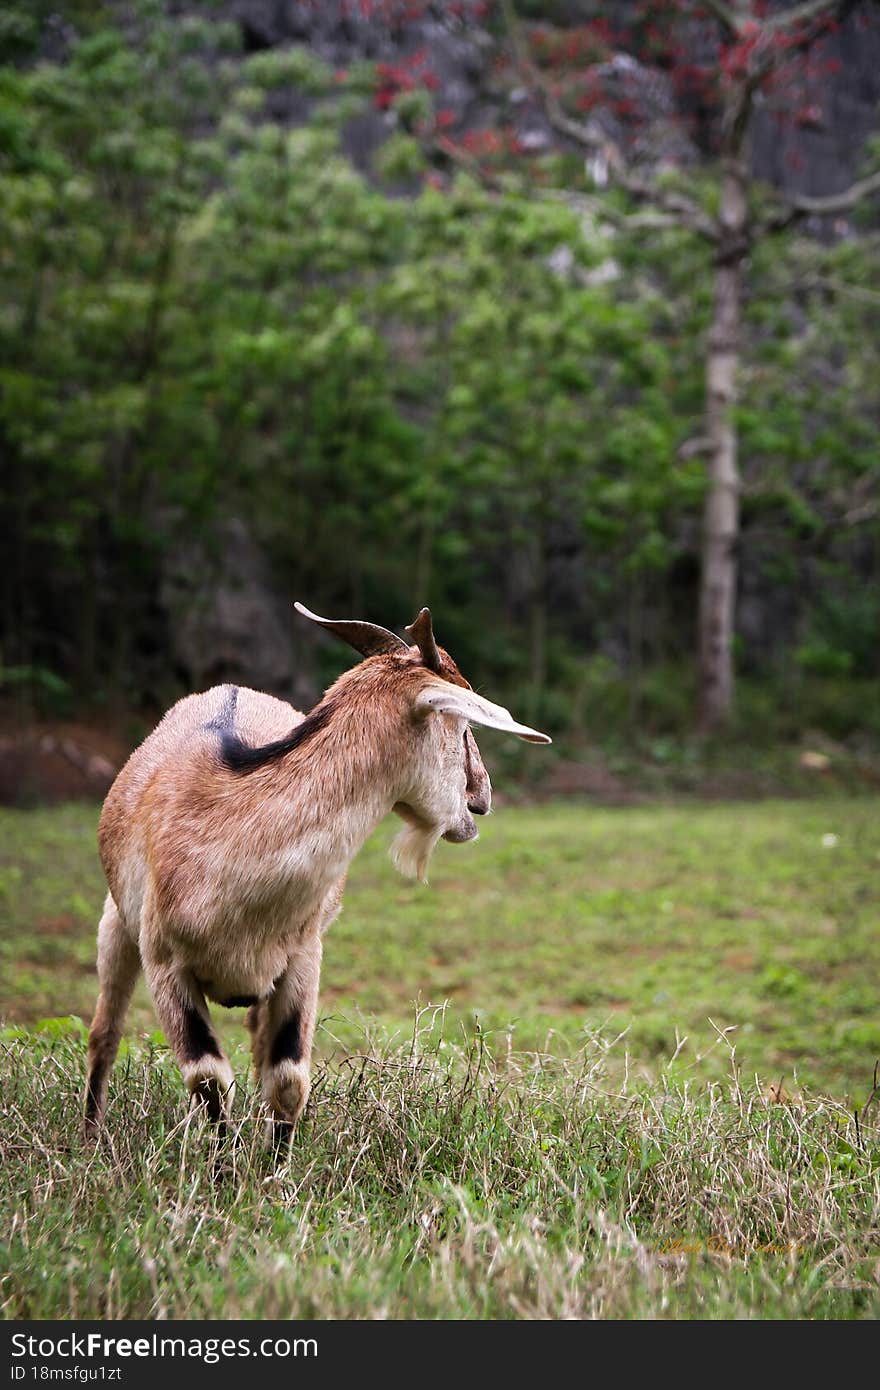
x=96 y=183
x=182 y=330
x=754 y=51
x=472 y=395
x=516 y=355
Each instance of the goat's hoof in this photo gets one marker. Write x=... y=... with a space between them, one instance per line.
x=90 y=1130
x=281 y=1135
x=209 y=1095
x=286 y=1089
x=211 y=1088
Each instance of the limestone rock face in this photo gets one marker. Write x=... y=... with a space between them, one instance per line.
x=808 y=141
x=226 y=621
x=819 y=149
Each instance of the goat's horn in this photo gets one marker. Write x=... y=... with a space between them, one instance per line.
x=366 y=638
x=422 y=633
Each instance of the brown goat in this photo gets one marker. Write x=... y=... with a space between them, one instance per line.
x=227 y=836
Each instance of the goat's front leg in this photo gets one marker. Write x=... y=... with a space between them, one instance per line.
x=283 y=1030
x=183 y=1014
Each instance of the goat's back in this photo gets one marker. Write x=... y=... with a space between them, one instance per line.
x=177 y=763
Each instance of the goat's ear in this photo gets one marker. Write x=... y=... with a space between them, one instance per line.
x=467 y=704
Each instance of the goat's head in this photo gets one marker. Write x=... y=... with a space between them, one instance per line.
x=444 y=782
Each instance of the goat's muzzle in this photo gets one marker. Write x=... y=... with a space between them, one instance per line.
x=462 y=832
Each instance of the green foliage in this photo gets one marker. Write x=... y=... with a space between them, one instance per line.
x=401 y=157
x=469 y=397
x=845 y=624
x=19 y=33
x=290 y=67
x=414 y=110
x=12 y=676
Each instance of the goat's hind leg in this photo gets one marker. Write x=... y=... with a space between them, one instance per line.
x=119 y=964
x=183 y=1014
x=283 y=1031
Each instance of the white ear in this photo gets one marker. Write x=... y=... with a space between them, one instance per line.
x=467 y=704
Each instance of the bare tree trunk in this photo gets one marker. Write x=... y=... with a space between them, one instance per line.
x=754 y=46
x=721 y=513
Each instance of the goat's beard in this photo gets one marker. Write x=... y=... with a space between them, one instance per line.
x=412 y=849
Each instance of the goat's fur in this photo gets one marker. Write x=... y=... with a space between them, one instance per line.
x=226 y=839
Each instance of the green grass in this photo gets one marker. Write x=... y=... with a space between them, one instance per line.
x=436 y=1182
x=580 y=1125
x=562 y=920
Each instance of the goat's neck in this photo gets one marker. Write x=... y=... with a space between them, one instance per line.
x=327 y=796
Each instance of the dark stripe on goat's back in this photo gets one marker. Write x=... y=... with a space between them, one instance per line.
x=239 y=756
x=287 y=1042
x=224 y=719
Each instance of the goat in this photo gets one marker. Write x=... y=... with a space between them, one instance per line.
x=226 y=839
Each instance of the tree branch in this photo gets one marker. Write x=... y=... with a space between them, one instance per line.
x=725 y=15
x=803 y=14
x=677 y=205
x=804 y=206
x=441 y=144
x=857 y=515
x=838 y=202
x=736 y=23
x=588 y=136
x=592 y=138
x=649 y=220
x=859 y=293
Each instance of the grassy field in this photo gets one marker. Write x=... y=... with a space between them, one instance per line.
x=584 y=1122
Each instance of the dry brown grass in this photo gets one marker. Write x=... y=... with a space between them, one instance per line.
x=439 y=1180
